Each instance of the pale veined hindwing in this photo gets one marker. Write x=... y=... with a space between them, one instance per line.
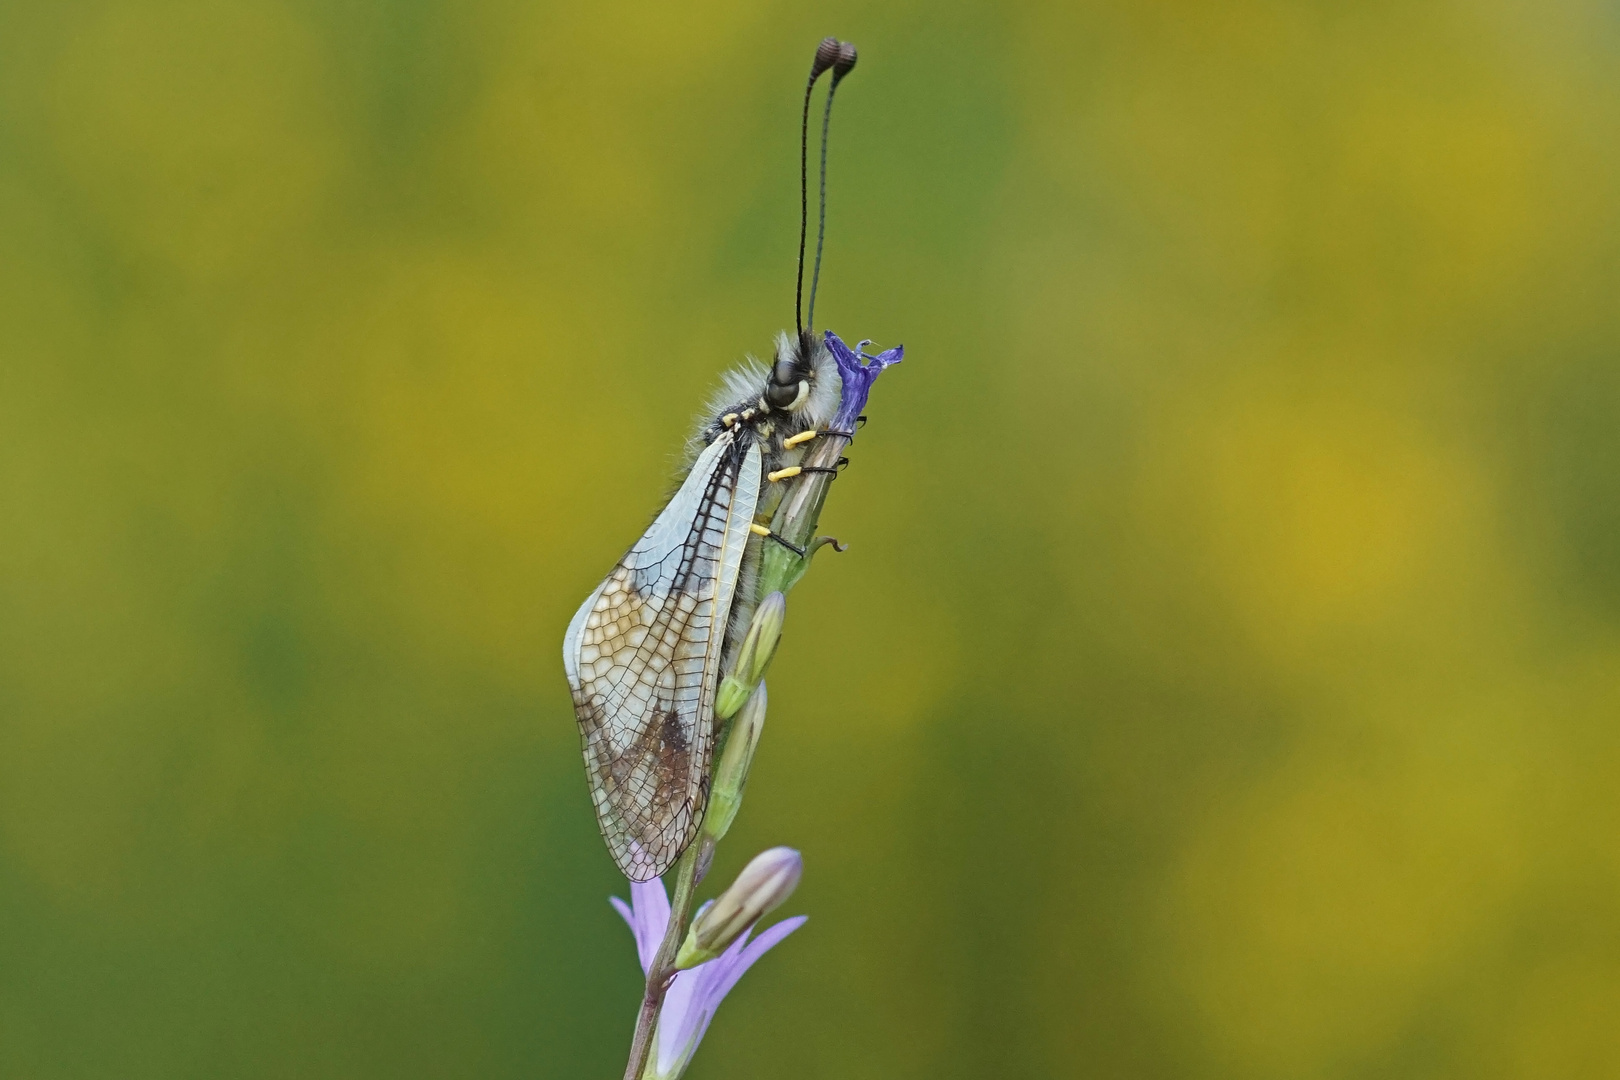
x=643 y=659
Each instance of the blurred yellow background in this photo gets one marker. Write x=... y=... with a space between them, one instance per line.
x=1228 y=656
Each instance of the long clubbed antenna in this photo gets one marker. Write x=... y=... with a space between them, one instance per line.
x=827 y=54
x=843 y=65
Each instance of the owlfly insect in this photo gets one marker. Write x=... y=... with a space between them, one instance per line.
x=649 y=647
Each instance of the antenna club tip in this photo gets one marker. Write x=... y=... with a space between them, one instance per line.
x=827 y=54
x=845 y=62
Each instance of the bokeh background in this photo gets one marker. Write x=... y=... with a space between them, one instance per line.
x=1227 y=660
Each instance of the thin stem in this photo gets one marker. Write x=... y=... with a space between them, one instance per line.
x=663 y=965
x=795 y=520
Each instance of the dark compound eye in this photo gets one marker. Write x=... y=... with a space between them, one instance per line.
x=783 y=389
x=779 y=396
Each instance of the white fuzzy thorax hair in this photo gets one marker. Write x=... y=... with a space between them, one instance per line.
x=741 y=387
x=744 y=384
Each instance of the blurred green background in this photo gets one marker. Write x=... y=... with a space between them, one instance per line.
x=1229 y=647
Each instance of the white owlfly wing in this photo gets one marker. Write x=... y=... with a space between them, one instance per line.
x=643 y=659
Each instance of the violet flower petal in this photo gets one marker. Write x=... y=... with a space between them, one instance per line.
x=648 y=916
x=696 y=994
x=857 y=376
x=693 y=994
x=755 y=949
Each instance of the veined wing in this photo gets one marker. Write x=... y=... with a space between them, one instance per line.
x=643 y=657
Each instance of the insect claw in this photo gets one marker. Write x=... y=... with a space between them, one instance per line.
x=759 y=530
x=796 y=549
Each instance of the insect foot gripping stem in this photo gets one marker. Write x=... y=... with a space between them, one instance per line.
x=764 y=632
x=761 y=530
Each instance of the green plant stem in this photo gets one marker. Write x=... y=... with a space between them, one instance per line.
x=796 y=518
x=795 y=521
x=663 y=965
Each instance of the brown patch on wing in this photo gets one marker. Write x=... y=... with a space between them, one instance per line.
x=647 y=658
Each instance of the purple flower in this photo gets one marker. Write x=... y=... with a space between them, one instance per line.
x=858 y=377
x=696 y=993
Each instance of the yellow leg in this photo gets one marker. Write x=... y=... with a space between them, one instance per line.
x=783 y=474
x=759 y=530
x=801 y=437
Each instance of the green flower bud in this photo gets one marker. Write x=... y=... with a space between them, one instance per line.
x=731 y=775
x=758 y=890
x=730 y=697
x=759 y=645
x=764 y=634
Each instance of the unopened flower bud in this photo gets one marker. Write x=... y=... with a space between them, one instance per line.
x=762 y=885
x=730 y=697
x=759 y=645
x=731 y=775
